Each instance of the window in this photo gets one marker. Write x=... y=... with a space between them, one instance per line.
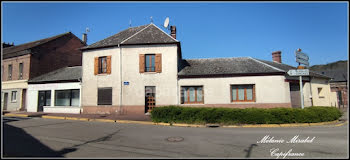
x=192 y=95
x=243 y=93
x=104 y=96
x=20 y=71
x=320 y=92
x=13 y=96
x=150 y=63
x=10 y=72
x=68 y=97
x=103 y=65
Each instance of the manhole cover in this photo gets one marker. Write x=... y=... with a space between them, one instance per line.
x=175 y=139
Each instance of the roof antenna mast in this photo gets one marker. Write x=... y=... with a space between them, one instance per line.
x=151 y=19
x=129 y=23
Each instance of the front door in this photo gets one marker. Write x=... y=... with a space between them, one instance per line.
x=5 y=101
x=150 y=98
x=44 y=99
x=24 y=93
x=295 y=95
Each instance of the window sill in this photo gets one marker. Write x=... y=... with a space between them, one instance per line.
x=321 y=97
x=243 y=101
x=14 y=101
x=102 y=74
x=193 y=103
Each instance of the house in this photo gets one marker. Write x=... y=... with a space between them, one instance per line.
x=339 y=84
x=21 y=63
x=142 y=67
x=55 y=92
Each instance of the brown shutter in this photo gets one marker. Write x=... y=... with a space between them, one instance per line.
x=142 y=63
x=158 y=63
x=109 y=64
x=96 y=65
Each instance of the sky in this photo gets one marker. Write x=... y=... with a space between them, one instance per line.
x=205 y=29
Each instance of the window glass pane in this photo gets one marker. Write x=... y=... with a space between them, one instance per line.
x=192 y=94
x=104 y=66
x=147 y=69
x=10 y=72
x=48 y=98
x=199 y=94
x=250 y=92
x=20 y=70
x=240 y=92
x=234 y=93
x=185 y=94
x=13 y=96
x=75 y=97
x=152 y=63
x=62 y=98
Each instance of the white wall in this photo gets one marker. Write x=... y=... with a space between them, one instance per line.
x=33 y=90
x=268 y=89
x=134 y=93
x=326 y=97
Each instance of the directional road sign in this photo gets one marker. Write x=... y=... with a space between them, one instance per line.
x=302 y=58
x=298 y=72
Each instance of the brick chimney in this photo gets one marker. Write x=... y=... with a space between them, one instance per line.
x=173 y=31
x=84 y=38
x=276 y=56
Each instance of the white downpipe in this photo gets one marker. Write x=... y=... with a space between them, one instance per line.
x=121 y=81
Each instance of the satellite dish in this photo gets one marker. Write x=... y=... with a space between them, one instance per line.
x=166 y=22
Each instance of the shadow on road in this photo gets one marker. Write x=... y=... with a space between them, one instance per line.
x=249 y=150
x=18 y=143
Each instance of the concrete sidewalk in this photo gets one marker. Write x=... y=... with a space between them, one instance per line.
x=82 y=116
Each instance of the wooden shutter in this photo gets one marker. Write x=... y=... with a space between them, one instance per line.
x=142 y=63
x=96 y=65
x=109 y=64
x=158 y=63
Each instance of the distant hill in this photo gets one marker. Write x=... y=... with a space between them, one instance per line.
x=337 y=70
x=339 y=65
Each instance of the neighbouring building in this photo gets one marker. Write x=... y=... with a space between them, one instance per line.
x=142 y=67
x=339 y=84
x=55 y=92
x=21 y=63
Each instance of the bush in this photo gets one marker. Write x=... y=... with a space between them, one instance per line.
x=194 y=115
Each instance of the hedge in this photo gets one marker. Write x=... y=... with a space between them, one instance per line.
x=196 y=115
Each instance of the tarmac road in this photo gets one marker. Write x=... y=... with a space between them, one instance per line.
x=38 y=137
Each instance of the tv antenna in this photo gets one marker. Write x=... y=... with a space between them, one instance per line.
x=166 y=23
x=151 y=19
x=87 y=30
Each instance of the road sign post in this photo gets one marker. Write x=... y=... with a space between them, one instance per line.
x=301 y=92
x=301 y=58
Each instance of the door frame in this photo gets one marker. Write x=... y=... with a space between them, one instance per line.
x=6 y=95
x=45 y=91
x=147 y=108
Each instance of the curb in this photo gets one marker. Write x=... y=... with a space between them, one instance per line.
x=53 y=117
x=187 y=125
x=15 y=115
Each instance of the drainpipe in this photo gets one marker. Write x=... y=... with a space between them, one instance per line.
x=121 y=82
